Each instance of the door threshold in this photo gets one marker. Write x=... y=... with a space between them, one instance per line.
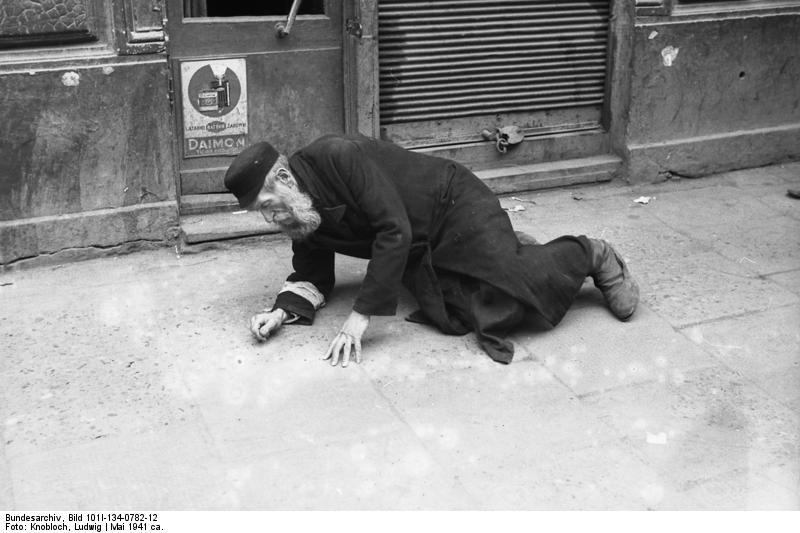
x=530 y=134
x=551 y=174
x=208 y=218
x=216 y=226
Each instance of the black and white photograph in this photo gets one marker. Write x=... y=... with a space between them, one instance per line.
x=463 y=256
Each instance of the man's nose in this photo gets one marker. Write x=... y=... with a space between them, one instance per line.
x=268 y=214
x=275 y=215
x=281 y=216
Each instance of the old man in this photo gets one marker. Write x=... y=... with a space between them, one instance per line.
x=423 y=222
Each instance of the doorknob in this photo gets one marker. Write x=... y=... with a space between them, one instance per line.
x=283 y=29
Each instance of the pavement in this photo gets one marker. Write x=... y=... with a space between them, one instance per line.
x=133 y=382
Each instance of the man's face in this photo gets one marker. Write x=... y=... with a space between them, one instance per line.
x=273 y=205
x=291 y=210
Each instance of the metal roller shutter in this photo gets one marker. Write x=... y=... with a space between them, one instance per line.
x=446 y=59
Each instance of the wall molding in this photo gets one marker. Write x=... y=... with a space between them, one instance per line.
x=712 y=154
x=27 y=238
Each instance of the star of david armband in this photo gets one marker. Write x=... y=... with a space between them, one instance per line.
x=300 y=299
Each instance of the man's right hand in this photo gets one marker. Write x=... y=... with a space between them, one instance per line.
x=263 y=325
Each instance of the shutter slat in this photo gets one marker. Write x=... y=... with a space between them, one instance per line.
x=490 y=93
x=491 y=73
x=455 y=87
x=497 y=57
x=456 y=58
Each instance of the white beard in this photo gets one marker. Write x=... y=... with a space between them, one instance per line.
x=305 y=219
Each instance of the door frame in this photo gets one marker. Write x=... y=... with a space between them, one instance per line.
x=224 y=40
x=360 y=68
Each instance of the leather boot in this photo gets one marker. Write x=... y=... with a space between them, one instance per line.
x=611 y=276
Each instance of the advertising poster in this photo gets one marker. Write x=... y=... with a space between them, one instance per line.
x=214 y=107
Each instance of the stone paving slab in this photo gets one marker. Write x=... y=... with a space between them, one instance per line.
x=6 y=494
x=591 y=351
x=765 y=247
x=717 y=206
x=706 y=286
x=276 y=406
x=712 y=423
x=789 y=281
x=500 y=430
x=761 y=346
x=170 y=468
x=747 y=491
x=516 y=439
x=77 y=389
x=386 y=471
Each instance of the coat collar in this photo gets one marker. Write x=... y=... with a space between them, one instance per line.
x=308 y=183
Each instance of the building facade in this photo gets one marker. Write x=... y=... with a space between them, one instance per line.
x=122 y=115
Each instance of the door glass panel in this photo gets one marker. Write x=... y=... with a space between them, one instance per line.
x=245 y=8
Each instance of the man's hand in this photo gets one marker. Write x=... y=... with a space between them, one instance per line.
x=349 y=337
x=263 y=325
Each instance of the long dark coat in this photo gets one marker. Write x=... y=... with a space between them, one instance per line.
x=429 y=224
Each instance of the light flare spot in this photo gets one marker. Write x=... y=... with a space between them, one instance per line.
x=694 y=334
x=71 y=79
x=424 y=431
x=578 y=348
x=416 y=463
x=239 y=476
x=366 y=489
x=448 y=438
x=358 y=452
x=652 y=494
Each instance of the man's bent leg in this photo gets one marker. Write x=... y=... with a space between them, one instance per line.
x=554 y=273
x=568 y=260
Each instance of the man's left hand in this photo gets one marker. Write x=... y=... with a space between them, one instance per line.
x=348 y=339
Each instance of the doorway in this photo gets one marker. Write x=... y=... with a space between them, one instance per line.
x=237 y=81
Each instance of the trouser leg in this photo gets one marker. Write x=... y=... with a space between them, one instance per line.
x=569 y=260
x=554 y=272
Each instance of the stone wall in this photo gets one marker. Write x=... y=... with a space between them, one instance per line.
x=713 y=94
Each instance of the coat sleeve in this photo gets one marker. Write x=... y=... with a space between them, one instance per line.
x=308 y=287
x=375 y=195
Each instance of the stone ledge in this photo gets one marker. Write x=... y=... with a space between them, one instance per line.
x=155 y=222
x=695 y=157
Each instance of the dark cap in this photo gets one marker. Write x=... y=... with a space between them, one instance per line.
x=246 y=175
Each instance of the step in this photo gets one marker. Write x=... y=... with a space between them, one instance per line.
x=211 y=217
x=536 y=176
x=224 y=225
x=195 y=204
x=555 y=147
